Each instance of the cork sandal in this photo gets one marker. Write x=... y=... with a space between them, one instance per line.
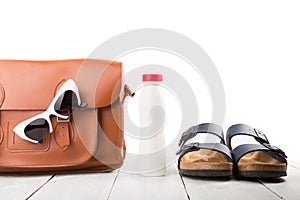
x=257 y=160
x=204 y=159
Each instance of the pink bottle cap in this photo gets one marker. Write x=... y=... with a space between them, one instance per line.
x=152 y=77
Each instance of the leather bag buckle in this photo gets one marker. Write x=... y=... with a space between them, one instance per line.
x=67 y=113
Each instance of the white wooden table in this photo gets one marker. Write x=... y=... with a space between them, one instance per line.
x=119 y=185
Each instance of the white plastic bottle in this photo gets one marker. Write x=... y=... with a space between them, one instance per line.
x=152 y=156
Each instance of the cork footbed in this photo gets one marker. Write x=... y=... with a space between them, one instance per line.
x=260 y=161
x=205 y=159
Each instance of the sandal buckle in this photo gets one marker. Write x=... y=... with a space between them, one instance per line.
x=275 y=149
x=187 y=135
x=261 y=136
x=192 y=146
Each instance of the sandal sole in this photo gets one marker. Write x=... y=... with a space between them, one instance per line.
x=206 y=173
x=261 y=174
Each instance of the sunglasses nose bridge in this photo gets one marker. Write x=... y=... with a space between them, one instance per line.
x=62 y=116
x=51 y=110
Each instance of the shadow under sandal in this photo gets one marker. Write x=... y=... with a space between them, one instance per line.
x=261 y=160
x=204 y=159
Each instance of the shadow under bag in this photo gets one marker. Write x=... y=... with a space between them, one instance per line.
x=91 y=139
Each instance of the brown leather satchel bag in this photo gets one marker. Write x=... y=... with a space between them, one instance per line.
x=92 y=140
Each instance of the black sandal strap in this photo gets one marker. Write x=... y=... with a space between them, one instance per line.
x=240 y=151
x=273 y=151
x=243 y=129
x=210 y=146
x=202 y=128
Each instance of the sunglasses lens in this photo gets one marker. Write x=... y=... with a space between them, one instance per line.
x=66 y=102
x=37 y=130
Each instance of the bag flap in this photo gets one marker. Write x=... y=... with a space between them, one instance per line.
x=31 y=85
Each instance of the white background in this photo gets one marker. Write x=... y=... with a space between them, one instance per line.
x=255 y=46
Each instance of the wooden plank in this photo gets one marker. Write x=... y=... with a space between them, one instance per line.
x=231 y=189
x=21 y=187
x=78 y=186
x=287 y=187
x=133 y=186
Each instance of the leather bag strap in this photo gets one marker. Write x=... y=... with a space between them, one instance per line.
x=2 y=95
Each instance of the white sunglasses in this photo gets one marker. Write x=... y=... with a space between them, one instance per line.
x=36 y=128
